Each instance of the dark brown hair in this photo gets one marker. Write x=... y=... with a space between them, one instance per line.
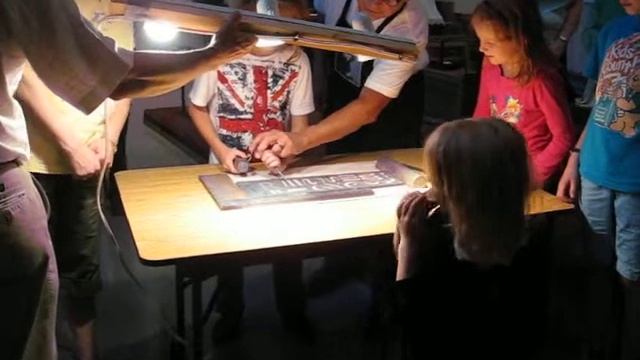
x=519 y=20
x=479 y=172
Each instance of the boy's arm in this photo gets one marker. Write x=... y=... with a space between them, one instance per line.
x=35 y=95
x=570 y=180
x=202 y=93
x=200 y=117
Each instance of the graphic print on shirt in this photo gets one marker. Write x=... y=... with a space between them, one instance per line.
x=617 y=106
x=512 y=110
x=253 y=98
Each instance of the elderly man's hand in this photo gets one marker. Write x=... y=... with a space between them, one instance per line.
x=282 y=144
x=231 y=43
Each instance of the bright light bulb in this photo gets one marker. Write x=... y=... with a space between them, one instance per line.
x=364 y=58
x=265 y=42
x=160 y=31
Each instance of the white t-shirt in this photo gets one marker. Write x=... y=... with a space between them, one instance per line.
x=388 y=76
x=72 y=59
x=255 y=94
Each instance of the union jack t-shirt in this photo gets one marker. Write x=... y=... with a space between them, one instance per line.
x=255 y=94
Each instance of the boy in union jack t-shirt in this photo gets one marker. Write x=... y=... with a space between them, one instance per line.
x=268 y=89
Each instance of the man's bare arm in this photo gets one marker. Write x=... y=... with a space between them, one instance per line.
x=155 y=73
x=361 y=111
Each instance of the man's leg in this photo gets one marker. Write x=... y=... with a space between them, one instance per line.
x=75 y=237
x=28 y=272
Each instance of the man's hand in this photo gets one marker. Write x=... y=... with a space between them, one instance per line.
x=231 y=43
x=282 y=144
x=570 y=181
x=84 y=161
x=226 y=157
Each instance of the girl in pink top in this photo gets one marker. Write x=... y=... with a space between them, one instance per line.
x=520 y=82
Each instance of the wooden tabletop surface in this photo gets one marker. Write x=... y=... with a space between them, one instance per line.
x=172 y=216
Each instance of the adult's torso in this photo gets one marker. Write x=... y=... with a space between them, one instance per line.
x=398 y=125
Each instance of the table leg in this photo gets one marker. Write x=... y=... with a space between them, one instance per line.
x=178 y=349
x=196 y=315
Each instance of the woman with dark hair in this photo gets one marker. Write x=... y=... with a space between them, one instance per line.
x=470 y=282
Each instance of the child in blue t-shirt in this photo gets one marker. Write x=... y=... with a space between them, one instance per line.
x=607 y=155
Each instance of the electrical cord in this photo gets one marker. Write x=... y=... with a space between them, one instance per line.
x=146 y=294
x=100 y=19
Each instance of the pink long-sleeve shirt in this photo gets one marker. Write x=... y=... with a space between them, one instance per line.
x=539 y=110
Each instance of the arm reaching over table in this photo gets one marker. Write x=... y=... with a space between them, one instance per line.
x=364 y=110
x=155 y=73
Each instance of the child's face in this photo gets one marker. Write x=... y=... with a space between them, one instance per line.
x=496 y=47
x=632 y=7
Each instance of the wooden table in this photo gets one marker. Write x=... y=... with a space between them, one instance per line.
x=174 y=220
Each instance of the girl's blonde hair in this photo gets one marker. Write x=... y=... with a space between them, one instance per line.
x=519 y=21
x=480 y=176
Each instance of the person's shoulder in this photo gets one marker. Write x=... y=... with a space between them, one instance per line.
x=411 y=23
x=632 y=21
x=549 y=76
x=547 y=83
x=204 y=85
x=630 y=34
x=416 y=13
x=620 y=26
x=207 y=75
